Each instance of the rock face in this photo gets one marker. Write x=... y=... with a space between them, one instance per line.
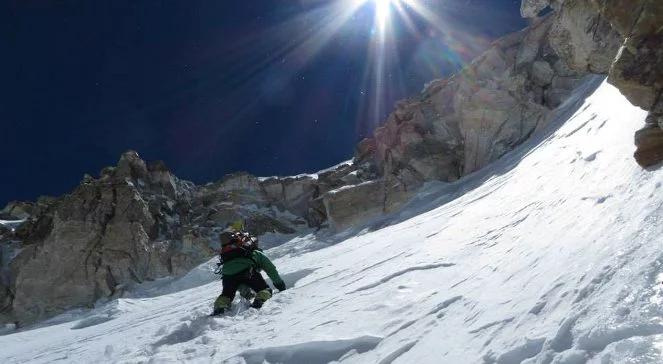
x=461 y=124
x=107 y=233
x=6 y=236
x=355 y=203
x=138 y=222
x=650 y=145
x=17 y=210
x=638 y=67
x=621 y=38
x=532 y=8
x=584 y=38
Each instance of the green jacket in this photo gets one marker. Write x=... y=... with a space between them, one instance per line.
x=257 y=260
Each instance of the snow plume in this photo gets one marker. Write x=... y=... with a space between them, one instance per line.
x=551 y=255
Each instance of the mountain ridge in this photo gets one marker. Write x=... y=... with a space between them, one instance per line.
x=138 y=222
x=550 y=255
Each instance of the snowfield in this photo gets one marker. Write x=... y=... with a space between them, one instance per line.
x=551 y=255
x=11 y=224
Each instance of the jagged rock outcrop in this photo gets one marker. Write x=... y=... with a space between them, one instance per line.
x=17 y=210
x=532 y=8
x=461 y=124
x=583 y=38
x=139 y=222
x=650 y=145
x=108 y=233
x=347 y=205
x=638 y=67
x=621 y=38
x=241 y=196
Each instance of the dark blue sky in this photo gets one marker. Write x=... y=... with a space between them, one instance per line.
x=210 y=87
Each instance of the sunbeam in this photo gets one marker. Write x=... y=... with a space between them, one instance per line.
x=382 y=13
x=383 y=25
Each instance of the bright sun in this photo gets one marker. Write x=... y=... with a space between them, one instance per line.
x=382 y=9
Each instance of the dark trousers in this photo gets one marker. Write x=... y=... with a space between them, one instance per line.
x=249 y=277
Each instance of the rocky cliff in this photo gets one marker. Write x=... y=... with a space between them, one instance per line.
x=139 y=222
x=459 y=125
x=620 y=38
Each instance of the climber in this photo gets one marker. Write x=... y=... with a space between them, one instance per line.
x=242 y=262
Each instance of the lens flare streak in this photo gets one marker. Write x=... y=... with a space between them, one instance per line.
x=382 y=14
x=311 y=30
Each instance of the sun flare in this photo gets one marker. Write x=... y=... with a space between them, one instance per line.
x=382 y=24
x=382 y=13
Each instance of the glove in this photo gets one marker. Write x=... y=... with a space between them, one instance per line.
x=280 y=285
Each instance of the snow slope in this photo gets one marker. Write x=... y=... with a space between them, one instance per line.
x=553 y=254
x=11 y=224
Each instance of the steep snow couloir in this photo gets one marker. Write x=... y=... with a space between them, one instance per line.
x=550 y=255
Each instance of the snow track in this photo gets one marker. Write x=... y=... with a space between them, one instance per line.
x=551 y=255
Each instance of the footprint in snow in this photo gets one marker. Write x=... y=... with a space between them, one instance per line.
x=591 y=157
x=598 y=200
x=312 y=352
x=187 y=331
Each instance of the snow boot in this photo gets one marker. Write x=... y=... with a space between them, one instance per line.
x=221 y=304
x=261 y=297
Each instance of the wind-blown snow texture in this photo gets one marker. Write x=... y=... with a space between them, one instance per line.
x=555 y=256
